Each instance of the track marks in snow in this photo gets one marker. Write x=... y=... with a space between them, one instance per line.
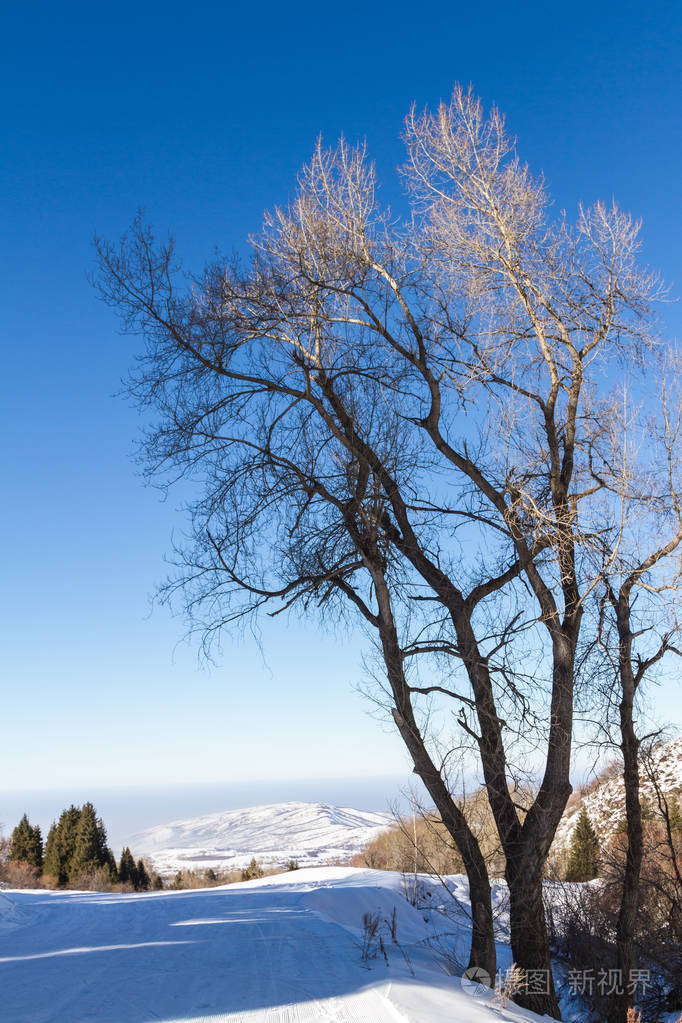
x=369 y=1006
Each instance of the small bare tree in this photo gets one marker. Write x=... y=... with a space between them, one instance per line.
x=406 y=421
x=640 y=546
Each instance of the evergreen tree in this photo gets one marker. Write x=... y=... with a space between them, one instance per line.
x=583 y=861
x=37 y=841
x=157 y=883
x=111 y=864
x=26 y=844
x=52 y=861
x=20 y=840
x=674 y=814
x=90 y=849
x=127 y=870
x=143 y=881
x=253 y=871
x=77 y=843
x=66 y=840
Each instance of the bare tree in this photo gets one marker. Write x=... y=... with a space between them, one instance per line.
x=406 y=420
x=640 y=546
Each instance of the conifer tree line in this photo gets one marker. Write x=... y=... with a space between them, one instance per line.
x=76 y=847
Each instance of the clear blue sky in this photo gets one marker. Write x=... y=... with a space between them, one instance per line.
x=202 y=114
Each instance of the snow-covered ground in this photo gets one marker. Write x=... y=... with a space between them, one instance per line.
x=285 y=949
x=310 y=833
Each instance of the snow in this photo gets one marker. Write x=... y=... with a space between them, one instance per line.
x=282 y=948
x=605 y=803
x=310 y=833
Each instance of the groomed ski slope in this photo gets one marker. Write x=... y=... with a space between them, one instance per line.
x=284 y=949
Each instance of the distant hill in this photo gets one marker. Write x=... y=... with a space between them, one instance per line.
x=604 y=798
x=310 y=833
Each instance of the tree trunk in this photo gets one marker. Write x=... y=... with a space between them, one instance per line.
x=629 y=904
x=483 y=953
x=529 y=938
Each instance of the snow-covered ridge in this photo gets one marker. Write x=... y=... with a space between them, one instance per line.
x=605 y=800
x=310 y=833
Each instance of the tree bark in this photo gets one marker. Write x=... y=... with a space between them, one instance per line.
x=626 y=960
x=529 y=938
x=483 y=953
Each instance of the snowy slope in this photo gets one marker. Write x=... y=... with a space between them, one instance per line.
x=310 y=833
x=605 y=799
x=281 y=950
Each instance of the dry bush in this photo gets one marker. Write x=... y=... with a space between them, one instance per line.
x=582 y=920
x=394 y=849
x=191 y=879
x=4 y=856
x=21 y=875
x=659 y=924
x=209 y=878
x=94 y=879
x=513 y=981
x=431 y=850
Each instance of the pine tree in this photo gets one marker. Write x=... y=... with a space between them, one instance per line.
x=37 y=850
x=20 y=840
x=253 y=871
x=60 y=845
x=111 y=864
x=583 y=861
x=66 y=837
x=127 y=870
x=26 y=844
x=87 y=851
x=143 y=881
x=52 y=861
x=674 y=814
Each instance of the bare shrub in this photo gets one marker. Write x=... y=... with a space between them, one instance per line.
x=372 y=941
x=18 y=874
x=510 y=984
x=395 y=849
x=93 y=879
x=374 y=930
x=582 y=922
x=422 y=844
x=211 y=878
x=4 y=856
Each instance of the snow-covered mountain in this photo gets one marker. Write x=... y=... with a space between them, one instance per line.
x=604 y=798
x=310 y=833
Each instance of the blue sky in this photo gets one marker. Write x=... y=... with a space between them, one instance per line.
x=202 y=115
